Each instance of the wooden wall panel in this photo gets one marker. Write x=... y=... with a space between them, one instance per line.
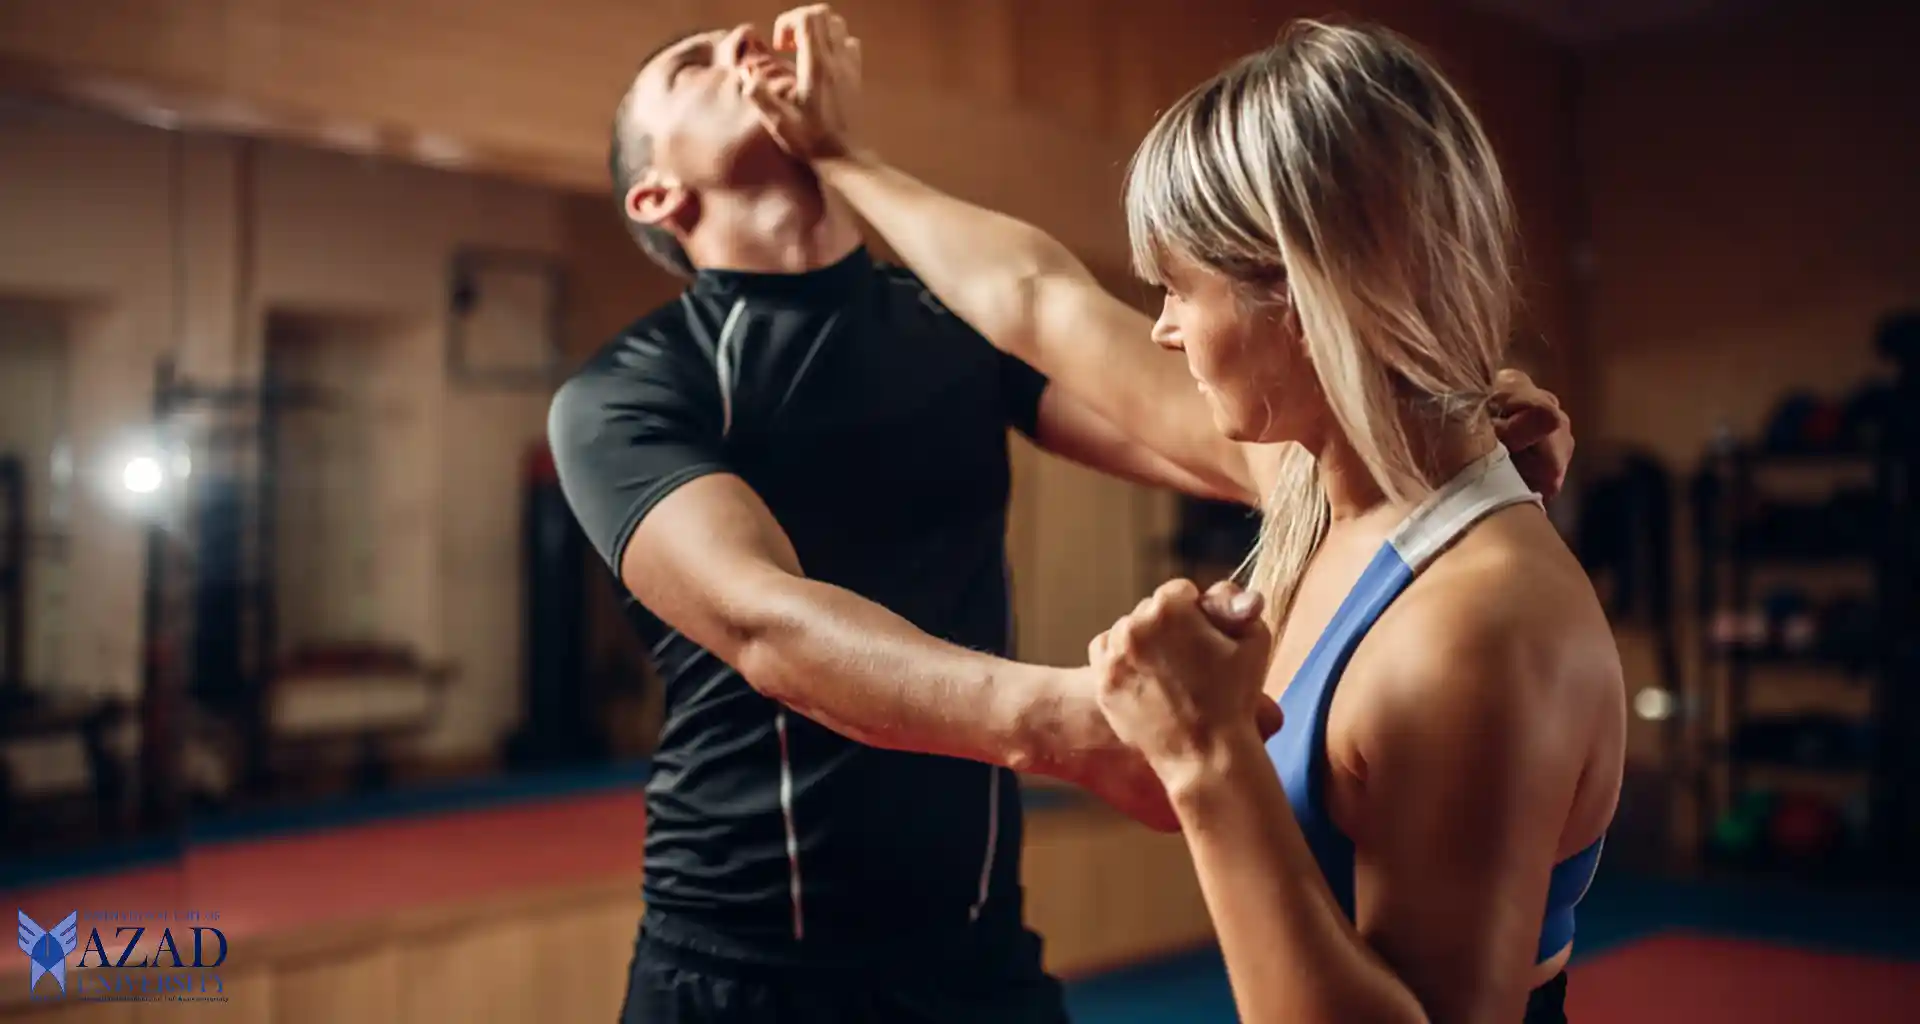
x=268 y=232
x=483 y=976
x=1751 y=223
x=521 y=89
x=977 y=57
x=364 y=987
x=1064 y=61
x=250 y=996
x=587 y=954
x=1104 y=892
x=72 y=246
x=73 y=1013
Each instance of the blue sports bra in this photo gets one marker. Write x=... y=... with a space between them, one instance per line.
x=1299 y=749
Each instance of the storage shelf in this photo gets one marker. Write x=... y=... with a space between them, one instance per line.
x=1745 y=529
x=1799 y=661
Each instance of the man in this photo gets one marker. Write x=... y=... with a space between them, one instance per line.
x=799 y=469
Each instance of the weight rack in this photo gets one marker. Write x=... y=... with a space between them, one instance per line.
x=1732 y=499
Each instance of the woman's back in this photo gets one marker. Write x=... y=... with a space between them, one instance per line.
x=1465 y=633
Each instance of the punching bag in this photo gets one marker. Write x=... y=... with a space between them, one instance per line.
x=557 y=728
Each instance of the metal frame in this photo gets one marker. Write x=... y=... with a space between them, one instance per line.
x=468 y=263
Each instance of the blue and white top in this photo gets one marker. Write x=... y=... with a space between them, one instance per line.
x=1299 y=750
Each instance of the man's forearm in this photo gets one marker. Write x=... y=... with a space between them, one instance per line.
x=869 y=674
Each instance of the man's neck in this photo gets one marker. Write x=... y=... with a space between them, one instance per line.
x=785 y=227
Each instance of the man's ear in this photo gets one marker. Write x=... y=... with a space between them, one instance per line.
x=656 y=199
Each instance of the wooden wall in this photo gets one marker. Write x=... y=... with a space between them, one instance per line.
x=1029 y=105
x=35 y=366
x=131 y=242
x=1752 y=205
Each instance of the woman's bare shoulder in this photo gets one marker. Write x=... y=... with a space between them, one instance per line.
x=1507 y=618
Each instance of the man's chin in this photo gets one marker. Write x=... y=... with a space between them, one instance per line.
x=763 y=146
x=755 y=157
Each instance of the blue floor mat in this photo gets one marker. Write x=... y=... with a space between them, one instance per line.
x=1192 y=988
x=1188 y=989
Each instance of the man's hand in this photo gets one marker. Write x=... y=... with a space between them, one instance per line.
x=1091 y=756
x=1530 y=422
x=1183 y=672
x=809 y=116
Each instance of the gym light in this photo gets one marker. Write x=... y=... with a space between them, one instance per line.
x=1653 y=704
x=142 y=474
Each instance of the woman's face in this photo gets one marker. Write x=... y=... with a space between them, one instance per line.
x=1246 y=357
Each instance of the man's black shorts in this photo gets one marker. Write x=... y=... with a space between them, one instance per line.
x=670 y=984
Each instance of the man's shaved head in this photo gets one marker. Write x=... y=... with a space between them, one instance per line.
x=685 y=132
x=630 y=153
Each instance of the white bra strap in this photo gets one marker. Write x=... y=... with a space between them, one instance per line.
x=1490 y=484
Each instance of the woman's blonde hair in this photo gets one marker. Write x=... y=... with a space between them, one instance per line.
x=1339 y=173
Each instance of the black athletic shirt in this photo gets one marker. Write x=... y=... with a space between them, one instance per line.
x=873 y=422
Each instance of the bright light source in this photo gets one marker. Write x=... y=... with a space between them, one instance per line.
x=143 y=474
x=1653 y=704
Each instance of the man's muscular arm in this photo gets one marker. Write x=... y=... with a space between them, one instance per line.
x=711 y=561
x=637 y=443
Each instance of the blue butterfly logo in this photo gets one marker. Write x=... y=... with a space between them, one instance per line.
x=49 y=949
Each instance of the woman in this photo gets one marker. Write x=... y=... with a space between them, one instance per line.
x=1329 y=224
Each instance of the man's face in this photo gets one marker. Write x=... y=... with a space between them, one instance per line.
x=691 y=100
